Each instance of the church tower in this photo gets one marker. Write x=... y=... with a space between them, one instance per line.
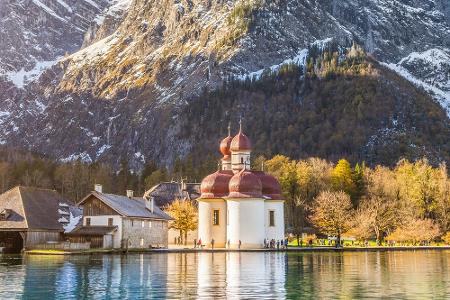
x=238 y=207
x=225 y=150
x=240 y=151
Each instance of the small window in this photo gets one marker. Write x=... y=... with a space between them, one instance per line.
x=110 y=221
x=216 y=217
x=88 y=221
x=143 y=224
x=271 y=218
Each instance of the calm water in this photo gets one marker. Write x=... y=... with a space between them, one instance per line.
x=393 y=275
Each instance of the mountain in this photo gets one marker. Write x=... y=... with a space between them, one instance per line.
x=142 y=65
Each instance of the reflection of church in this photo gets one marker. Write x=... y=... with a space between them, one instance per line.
x=238 y=204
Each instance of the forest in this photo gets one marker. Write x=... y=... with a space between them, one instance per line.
x=341 y=104
x=406 y=203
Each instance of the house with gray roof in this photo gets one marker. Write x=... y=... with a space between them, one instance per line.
x=32 y=216
x=165 y=193
x=116 y=221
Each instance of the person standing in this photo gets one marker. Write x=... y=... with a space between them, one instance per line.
x=240 y=243
x=228 y=243
x=199 y=243
x=278 y=245
x=212 y=243
x=195 y=243
x=265 y=243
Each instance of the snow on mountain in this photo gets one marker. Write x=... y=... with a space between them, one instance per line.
x=132 y=64
x=39 y=31
x=21 y=78
x=429 y=70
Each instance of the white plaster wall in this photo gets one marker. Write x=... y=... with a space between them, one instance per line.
x=274 y=232
x=236 y=160
x=246 y=223
x=226 y=164
x=206 y=230
x=103 y=221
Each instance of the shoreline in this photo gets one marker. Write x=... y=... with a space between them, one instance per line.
x=223 y=250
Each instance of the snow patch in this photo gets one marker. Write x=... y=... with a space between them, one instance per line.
x=48 y=10
x=439 y=95
x=72 y=223
x=22 y=77
x=83 y=157
x=102 y=150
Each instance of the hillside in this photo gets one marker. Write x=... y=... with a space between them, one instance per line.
x=142 y=66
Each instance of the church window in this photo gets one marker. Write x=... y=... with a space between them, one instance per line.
x=271 y=218
x=216 y=217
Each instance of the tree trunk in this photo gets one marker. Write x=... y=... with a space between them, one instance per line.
x=338 y=241
x=185 y=237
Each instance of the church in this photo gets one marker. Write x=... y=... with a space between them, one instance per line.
x=239 y=207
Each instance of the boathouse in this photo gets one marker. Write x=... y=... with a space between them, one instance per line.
x=32 y=216
x=116 y=221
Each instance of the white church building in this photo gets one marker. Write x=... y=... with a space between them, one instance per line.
x=239 y=205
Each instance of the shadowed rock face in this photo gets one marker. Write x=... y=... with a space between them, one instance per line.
x=41 y=30
x=143 y=61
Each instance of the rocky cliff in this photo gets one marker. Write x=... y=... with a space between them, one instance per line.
x=143 y=63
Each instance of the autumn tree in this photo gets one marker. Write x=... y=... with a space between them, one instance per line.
x=332 y=213
x=379 y=212
x=446 y=237
x=185 y=216
x=286 y=172
x=415 y=231
x=342 y=177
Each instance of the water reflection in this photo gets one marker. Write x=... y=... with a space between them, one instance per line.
x=362 y=275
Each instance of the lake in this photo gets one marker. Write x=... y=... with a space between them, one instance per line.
x=245 y=275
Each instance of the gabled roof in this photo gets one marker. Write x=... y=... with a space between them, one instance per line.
x=129 y=207
x=166 y=192
x=31 y=208
x=92 y=230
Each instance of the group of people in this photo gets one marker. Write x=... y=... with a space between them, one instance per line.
x=276 y=244
x=268 y=244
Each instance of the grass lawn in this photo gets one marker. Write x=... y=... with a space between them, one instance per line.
x=47 y=252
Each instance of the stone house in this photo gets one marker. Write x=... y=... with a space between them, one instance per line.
x=165 y=193
x=116 y=221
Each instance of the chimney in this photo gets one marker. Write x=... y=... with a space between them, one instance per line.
x=130 y=193
x=98 y=188
x=150 y=204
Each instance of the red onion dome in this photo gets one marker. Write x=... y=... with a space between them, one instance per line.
x=215 y=185
x=240 y=142
x=245 y=184
x=225 y=146
x=270 y=186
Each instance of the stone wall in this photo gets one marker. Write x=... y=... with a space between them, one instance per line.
x=140 y=233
